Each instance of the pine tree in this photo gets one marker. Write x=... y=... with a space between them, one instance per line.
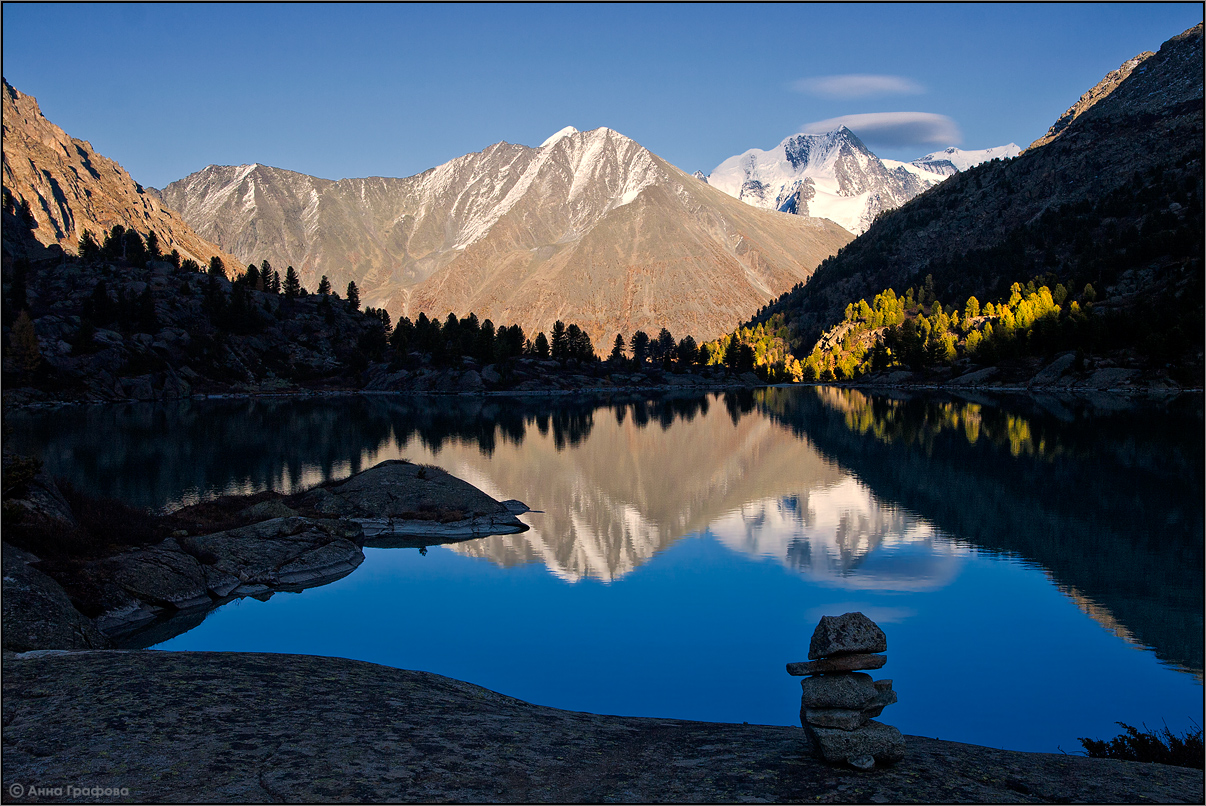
x=153 y=249
x=486 y=341
x=560 y=342
x=688 y=351
x=135 y=249
x=353 y=296
x=114 y=245
x=578 y=344
x=540 y=347
x=639 y=345
x=617 y=350
x=89 y=249
x=324 y=286
x=216 y=267
x=292 y=284
x=665 y=347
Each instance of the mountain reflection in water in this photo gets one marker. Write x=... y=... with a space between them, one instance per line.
x=852 y=490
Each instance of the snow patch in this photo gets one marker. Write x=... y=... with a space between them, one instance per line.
x=566 y=132
x=962 y=160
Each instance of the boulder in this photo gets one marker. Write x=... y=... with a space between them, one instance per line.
x=161 y=575
x=848 y=690
x=469 y=381
x=281 y=551
x=399 y=497
x=266 y=510
x=1052 y=372
x=107 y=338
x=219 y=583
x=881 y=742
x=120 y=610
x=1111 y=378
x=977 y=378
x=848 y=634
x=139 y=387
x=37 y=612
x=490 y=375
x=841 y=663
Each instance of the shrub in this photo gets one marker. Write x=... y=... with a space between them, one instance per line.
x=1160 y=747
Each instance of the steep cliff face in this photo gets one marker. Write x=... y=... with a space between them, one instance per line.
x=589 y=227
x=70 y=188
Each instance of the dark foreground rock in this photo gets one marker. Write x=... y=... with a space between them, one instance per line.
x=234 y=727
x=37 y=611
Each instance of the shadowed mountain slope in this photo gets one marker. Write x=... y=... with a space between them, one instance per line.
x=1111 y=196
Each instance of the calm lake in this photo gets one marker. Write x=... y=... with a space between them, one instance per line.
x=1036 y=562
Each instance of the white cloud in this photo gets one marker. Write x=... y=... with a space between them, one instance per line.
x=894 y=129
x=857 y=85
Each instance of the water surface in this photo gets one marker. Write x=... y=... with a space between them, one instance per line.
x=1035 y=562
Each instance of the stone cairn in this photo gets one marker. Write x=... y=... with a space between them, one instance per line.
x=839 y=700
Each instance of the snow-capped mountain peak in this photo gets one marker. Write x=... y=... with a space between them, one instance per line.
x=834 y=175
x=566 y=132
x=961 y=160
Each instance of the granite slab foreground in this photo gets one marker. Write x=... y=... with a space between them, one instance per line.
x=252 y=727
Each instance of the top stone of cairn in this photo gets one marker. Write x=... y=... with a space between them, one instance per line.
x=845 y=635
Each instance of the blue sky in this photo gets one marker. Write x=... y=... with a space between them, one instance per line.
x=360 y=90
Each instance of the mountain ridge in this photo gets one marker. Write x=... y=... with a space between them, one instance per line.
x=980 y=231
x=834 y=175
x=503 y=233
x=70 y=188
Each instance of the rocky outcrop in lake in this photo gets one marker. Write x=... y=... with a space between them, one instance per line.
x=92 y=595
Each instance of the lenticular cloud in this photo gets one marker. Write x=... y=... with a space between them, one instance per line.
x=894 y=129
x=857 y=85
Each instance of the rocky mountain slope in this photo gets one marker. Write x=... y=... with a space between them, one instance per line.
x=1099 y=91
x=589 y=227
x=835 y=176
x=68 y=187
x=1112 y=198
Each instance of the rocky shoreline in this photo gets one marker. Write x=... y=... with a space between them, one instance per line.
x=225 y=550
x=250 y=727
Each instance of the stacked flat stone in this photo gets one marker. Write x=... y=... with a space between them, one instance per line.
x=840 y=700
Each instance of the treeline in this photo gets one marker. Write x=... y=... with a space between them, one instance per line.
x=1144 y=239
x=233 y=308
x=915 y=331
